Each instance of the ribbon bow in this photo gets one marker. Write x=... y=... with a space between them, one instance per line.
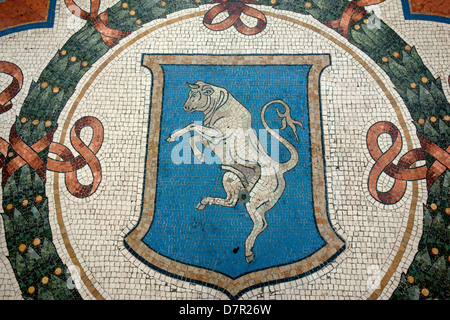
x=100 y=21
x=403 y=171
x=235 y=9
x=353 y=12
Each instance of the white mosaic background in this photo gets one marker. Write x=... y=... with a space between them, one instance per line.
x=120 y=97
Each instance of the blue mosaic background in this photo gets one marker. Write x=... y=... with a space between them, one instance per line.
x=211 y=238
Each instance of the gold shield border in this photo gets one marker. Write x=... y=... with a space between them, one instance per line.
x=230 y=286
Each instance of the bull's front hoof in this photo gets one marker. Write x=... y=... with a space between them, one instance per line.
x=170 y=139
x=200 y=206
x=201 y=158
x=250 y=258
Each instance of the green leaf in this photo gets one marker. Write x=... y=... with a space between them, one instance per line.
x=56 y=104
x=20 y=223
x=446 y=180
x=40 y=130
x=158 y=11
x=35 y=89
x=363 y=40
x=439 y=97
x=20 y=266
x=444 y=130
x=427 y=219
x=173 y=6
x=322 y=4
x=35 y=218
x=438 y=268
x=409 y=62
x=45 y=221
x=95 y=52
x=417 y=58
x=7 y=223
x=59 y=288
x=47 y=250
x=23 y=129
x=25 y=181
x=89 y=39
x=413 y=293
x=430 y=131
x=318 y=14
x=9 y=189
x=412 y=98
x=59 y=66
x=376 y=35
x=120 y=15
x=423 y=258
x=70 y=74
x=44 y=294
x=435 y=188
x=398 y=70
x=438 y=221
x=42 y=101
x=32 y=258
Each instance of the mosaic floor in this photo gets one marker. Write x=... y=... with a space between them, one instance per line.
x=216 y=150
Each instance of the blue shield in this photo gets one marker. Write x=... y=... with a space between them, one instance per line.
x=209 y=244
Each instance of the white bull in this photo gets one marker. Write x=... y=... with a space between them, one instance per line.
x=252 y=176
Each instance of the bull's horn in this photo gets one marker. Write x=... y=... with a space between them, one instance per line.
x=193 y=86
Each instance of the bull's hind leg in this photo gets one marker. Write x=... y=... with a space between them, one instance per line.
x=258 y=217
x=264 y=197
x=232 y=186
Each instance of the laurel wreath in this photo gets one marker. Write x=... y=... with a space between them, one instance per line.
x=39 y=270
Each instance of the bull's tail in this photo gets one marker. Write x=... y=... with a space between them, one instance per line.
x=286 y=121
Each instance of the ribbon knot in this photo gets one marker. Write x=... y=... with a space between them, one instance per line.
x=24 y=154
x=235 y=9
x=402 y=171
x=100 y=21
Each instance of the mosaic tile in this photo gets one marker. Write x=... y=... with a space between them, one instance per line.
x=202 y=150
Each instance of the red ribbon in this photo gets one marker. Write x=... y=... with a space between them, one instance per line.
x=402 y=172
x=235 y=9
x=70 y=164
x=13 y=89
x=353 y=12
x=100 y=22
x=24 y=154
x=3 y=149
x=442 y=162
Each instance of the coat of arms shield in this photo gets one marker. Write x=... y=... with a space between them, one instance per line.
x=234 y=192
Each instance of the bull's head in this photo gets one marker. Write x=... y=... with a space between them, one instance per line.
x=199 y=98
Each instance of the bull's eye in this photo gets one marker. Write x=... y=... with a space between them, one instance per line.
x=195 y=96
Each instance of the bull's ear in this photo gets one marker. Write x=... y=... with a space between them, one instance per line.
x=207 y=90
